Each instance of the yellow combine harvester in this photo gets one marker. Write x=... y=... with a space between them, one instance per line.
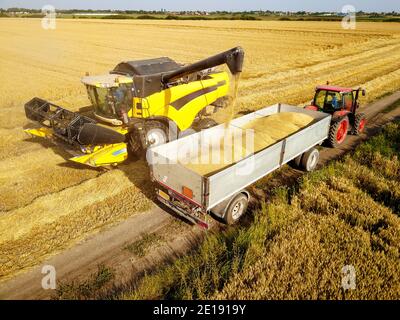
x=138 y=105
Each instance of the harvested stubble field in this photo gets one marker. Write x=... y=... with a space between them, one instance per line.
x=46 y=205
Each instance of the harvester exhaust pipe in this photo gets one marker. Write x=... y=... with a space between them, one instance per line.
x=93 y=134
x=233 y=58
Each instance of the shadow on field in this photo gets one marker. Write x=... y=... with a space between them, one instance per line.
x=61 y=150
x=138 y=172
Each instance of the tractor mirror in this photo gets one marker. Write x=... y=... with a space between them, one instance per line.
x=363 y=92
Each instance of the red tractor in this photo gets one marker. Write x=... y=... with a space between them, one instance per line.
x=342 y=104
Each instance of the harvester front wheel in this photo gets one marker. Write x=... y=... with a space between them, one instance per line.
x=135 y=144
x=152 y=134
x=156 y=133
x=338 y=132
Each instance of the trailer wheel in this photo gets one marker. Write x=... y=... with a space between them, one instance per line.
x=310 y=160
x=359 y=124
x=236 y=208
x=338 y=132
x=296 y=162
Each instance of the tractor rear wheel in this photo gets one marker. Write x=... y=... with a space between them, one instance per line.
x=338 y=132
x=359 y=124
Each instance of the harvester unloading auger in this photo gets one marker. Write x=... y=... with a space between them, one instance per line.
x=135 y=105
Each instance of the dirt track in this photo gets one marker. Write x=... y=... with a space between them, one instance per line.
x=108 y=247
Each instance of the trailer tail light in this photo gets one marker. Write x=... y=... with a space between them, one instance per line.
x=187 y=192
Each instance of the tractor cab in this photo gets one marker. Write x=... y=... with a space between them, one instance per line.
x=332 y=99
x=110 y=95
x=342 y=103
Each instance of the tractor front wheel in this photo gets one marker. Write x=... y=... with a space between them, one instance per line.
x=338 y=132
x=359 y=124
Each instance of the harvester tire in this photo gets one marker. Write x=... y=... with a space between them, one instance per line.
x=156 y=133
x=135 y=144
x=338 y=132
x=153 y=133
x=359 y=124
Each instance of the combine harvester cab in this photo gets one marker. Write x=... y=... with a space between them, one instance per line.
x=82 y=137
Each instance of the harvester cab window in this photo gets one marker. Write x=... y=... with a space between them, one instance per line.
x=104 y=103
x=122 y=94
x=92 y=96
x=122 y=98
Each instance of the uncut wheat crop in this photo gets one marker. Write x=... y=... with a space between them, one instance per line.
x=47 y=204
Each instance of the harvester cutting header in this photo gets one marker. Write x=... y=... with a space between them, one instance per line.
x=134 y=105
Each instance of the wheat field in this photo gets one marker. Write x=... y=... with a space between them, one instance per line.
x=47 y=205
